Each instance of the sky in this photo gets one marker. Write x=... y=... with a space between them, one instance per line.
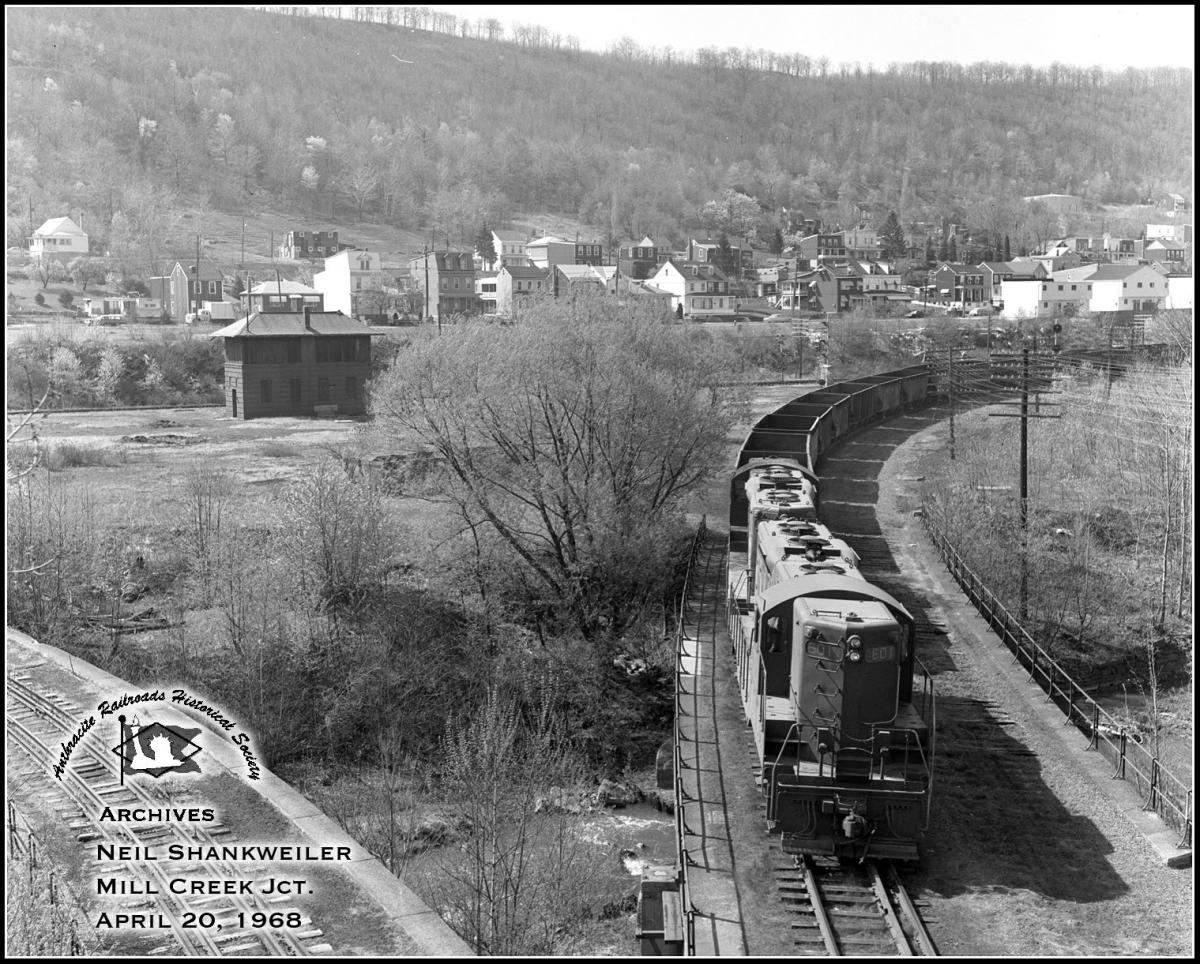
x=1114 y=37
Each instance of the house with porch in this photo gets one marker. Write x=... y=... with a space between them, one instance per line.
x=184 y=289
x=60 y=239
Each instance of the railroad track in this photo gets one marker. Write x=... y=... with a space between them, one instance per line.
x=206 y=925
x=851 y=910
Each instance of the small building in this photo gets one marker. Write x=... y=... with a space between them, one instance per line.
x=273 y=296
x=125 y=307
x=296 y=364
x=59 y=238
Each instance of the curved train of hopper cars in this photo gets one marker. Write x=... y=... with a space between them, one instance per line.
x=841 y=708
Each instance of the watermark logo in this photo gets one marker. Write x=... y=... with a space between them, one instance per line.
x=155 y=749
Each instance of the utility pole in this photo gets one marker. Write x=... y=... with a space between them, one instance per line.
x=242 y=264
x=950 y=382
x=1023 y=508
x=196 y=299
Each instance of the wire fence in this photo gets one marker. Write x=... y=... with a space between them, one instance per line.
x=1162 y=792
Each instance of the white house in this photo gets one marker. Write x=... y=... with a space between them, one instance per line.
x=702 y=289
x=1120 y=287
x=346 y=276
x=549 y=252
x=59 y=238
x=1179 y=292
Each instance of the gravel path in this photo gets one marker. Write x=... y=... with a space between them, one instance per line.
x=1033 y=846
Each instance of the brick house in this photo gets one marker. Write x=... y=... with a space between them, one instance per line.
x=639 y=261
x=960 y=282
x=294 y=363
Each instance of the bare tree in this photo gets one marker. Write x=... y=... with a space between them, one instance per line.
x=573 y=435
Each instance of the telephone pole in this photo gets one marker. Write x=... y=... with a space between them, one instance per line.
x=1023 y=508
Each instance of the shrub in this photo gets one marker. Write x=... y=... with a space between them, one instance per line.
x=73 y=455
x=275 y=449
x=66 y=299
x=40 y=298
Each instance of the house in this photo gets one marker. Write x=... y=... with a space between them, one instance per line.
x=183 y=290
x=1065 y=293
x=837 y=287
x=1119 y=287
x=485 y=291
x=295 y=363
x=59 y=238
x=995 y=272
x=962 y=283
x=1164 y=251
x=516 y=283
x=769 y=280
x=1179 y=292
x=549 y=251
x=639 y=261
x=123 y=306
x=703 y=289
x=589 y=252
x=278 y=295
x=576 y=277
x=509 y=247
x=882 y=289
x=1177 y=203
x=1060 y=260
x=862 y=243
x=708 y=251
x=352 y=283
x=446 y=279
x=309 y=245
x=1020 y=298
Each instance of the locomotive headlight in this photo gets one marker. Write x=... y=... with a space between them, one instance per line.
x=854 y=656
x=854 y=642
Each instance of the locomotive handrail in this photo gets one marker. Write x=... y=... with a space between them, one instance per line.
x=1163 y=792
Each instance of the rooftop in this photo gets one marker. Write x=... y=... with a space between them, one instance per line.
x=285 y=323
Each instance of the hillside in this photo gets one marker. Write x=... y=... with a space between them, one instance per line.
x=136 y=116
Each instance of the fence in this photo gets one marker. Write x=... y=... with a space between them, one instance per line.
x=689 y=937
x=42 y=908
x=1161 y=791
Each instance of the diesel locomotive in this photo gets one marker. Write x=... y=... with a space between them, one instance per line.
x=841 y=709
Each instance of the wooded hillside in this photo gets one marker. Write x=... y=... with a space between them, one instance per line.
x=124 y=113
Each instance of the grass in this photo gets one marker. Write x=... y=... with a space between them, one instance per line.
x=58 y=456
x=275 y=449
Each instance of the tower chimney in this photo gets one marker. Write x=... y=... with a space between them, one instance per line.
x=308 y=318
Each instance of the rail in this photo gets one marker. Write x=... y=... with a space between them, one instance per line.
x=1161 y=791
x=685 y=898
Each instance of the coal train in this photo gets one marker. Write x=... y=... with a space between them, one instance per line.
x=842 y=711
